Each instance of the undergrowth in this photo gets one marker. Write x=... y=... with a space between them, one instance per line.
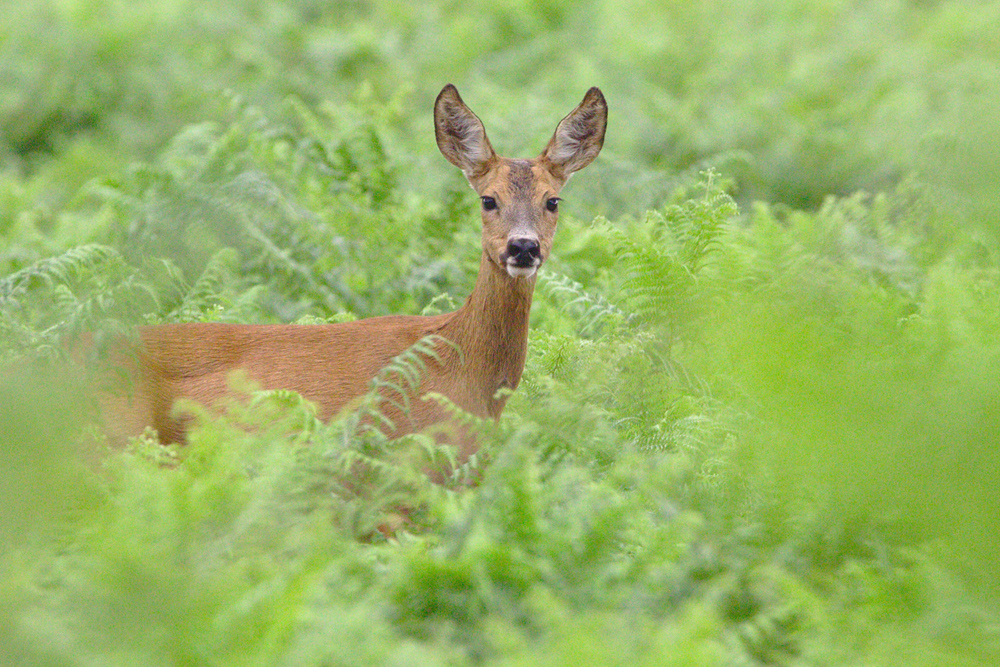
x=747 y=433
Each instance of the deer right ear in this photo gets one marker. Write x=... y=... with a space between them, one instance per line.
x=580 y=135
x=460 y=134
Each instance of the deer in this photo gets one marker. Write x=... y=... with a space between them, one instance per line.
x=332 y=365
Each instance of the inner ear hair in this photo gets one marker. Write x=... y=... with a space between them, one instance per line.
x=460 y=134
x=579 y=137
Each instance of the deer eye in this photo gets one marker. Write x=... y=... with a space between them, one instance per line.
x=489 y=203
x=552 y=204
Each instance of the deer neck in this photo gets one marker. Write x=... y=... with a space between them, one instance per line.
x=491 y=330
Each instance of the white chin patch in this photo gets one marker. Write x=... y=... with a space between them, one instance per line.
x=521 y=271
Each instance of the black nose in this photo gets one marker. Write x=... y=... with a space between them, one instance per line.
x=523 y=251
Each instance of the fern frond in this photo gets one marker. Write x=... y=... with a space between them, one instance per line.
x=662 y=262
x=457 y=414
x=654 y=282
x=88 y=287
x=277 y=255
x=219 y=271
x=592 y=311
x=699 y=223
x=396 y=382
x=57 y=270
x=293 y=406
x=465 y=472
x=434 y=306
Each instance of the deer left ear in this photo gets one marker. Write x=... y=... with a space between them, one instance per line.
x=579 y=136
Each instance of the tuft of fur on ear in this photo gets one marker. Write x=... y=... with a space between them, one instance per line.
x=460 y=134
x=580 y=135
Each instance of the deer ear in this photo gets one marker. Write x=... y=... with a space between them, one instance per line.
x=460 y=134
x=579 y=136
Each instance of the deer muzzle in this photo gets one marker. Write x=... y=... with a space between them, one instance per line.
x=522 y=257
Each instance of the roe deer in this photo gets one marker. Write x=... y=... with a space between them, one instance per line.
x=332 y=364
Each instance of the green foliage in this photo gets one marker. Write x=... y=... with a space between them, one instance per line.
x=83 y=288
x=661 y=260
x=759 y=415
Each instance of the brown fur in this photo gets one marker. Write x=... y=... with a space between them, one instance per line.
x=332 y=364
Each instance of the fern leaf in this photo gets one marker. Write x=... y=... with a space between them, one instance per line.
x=218 y=272
x=59 y=269
x=593 y=312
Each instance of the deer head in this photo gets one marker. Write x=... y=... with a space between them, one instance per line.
x=520 y=198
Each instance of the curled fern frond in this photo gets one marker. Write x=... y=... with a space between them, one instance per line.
x=434 y=307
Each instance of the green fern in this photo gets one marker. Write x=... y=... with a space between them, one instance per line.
x=87 y=288
x=207 y=290
x=299 y=413
x=287 y=193
x=379 y=474
x=662 y=261
x=465 y=472
x=70 y=265
x=698 y=224
x=396 y=382
x=593 y=312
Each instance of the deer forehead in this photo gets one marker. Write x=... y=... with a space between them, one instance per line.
x=521 y=181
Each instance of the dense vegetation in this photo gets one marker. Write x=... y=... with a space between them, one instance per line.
x=760 y=415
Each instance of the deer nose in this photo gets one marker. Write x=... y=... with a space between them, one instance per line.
x=524 y=251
